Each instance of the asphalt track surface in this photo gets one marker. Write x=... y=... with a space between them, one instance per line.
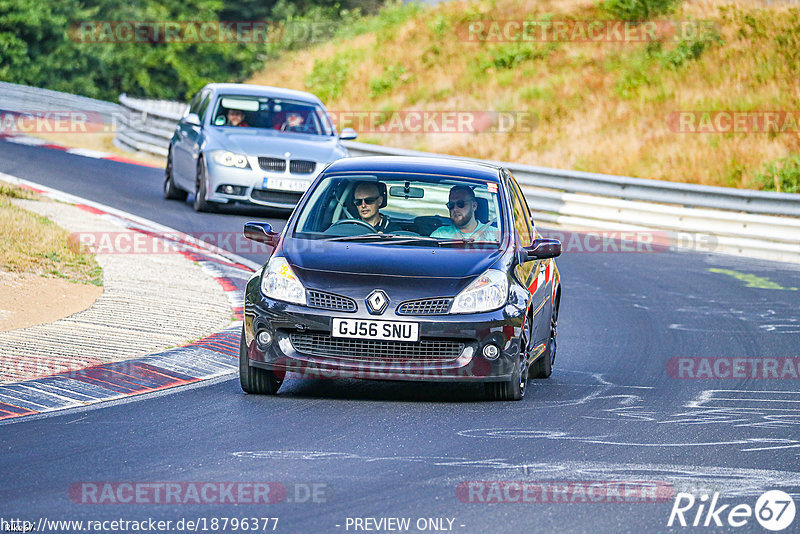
x=611 y=411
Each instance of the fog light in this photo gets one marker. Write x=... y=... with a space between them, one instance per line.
x=264 y=338
x=491 y=352
x=227 y=189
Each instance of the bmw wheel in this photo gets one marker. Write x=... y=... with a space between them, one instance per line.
x=201 y=182
x=172 y=191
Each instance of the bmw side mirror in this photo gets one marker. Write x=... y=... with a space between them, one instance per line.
x=193 y=119
x=262 y=233
x=542 y=249
x=347 y=134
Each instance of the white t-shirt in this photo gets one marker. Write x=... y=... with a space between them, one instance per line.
x=482 y=232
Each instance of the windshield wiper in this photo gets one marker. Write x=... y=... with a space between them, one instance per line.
x=400 y=239
x=383 y=237
x=448 y=242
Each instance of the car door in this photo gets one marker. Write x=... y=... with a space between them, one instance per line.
x=184 y=147
x=533 y=273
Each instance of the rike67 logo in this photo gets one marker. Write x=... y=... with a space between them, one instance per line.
x=774 y=510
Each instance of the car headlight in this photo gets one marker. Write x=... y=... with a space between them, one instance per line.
x=229 y=159
x=487 y=292
x=280 y=283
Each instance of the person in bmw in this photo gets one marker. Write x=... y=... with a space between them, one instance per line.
x=337 y=298
x=236 y=118
x=218 y=161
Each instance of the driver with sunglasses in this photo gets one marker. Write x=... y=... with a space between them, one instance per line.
x=462 y=206
x=368 y=201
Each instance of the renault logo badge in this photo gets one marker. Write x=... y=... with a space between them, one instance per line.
x=377 y=302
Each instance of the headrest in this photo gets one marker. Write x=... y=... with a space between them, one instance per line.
x=482 y=211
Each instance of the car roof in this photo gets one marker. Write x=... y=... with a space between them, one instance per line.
x=423 y=165
x=262 y=90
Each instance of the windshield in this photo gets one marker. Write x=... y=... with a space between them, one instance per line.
x=288 y=116
x=421 y=210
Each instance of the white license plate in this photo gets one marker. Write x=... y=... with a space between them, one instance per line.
x=366 y=329
x=286 y=184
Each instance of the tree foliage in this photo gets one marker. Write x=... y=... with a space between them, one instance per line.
x=41 y=45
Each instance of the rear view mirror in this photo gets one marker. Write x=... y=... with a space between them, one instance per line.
x=406 y=192
x=262 y=233
x=542 y=249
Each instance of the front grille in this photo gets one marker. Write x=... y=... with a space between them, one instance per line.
x=271 y=195
x=324 y=345
x=329 y=301
x=300 y=166
x=272 y=164
x=438 y=306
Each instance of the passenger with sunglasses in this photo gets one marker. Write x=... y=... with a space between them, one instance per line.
x=462 y=206
x=368 y=200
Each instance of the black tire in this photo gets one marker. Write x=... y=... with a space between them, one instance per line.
x=172 y=191
x=253 y=379
x=513 y=389
x=200 y=203
x=543 y=366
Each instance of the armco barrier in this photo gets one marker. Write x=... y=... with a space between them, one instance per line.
x=149 y=124
x=735 y=221
x=752 y=223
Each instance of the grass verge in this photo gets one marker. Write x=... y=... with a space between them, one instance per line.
x=600 y=106
x=34 y=244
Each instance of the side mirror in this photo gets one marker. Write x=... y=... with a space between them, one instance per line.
x=347 y=134
x=542 y=249
x=262 y=233
x=193 y=119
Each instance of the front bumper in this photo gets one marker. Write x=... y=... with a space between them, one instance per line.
x=459 y=340
x=252 y=180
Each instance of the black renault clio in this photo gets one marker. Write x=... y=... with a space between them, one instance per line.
x=401 y=268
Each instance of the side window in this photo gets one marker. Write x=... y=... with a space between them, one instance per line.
x=522 y=217
x=195 y=103
x=201 y=109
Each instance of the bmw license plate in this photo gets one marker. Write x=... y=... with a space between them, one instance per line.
x=286 y=184
x=383 y=330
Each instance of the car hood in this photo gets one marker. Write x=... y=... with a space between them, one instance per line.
x=346 y=266
x=261 y=142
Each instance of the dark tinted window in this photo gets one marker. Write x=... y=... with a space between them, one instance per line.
x=522 y=215
x=201 y=109
x=194 y=105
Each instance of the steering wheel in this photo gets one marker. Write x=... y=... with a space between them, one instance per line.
x=356 y=222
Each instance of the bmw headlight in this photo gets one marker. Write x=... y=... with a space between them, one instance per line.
x=229 y=159
x=487 y=292
x=280 y=283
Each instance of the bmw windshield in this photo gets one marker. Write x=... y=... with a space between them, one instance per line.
x=284 y=115
x=420 y=210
